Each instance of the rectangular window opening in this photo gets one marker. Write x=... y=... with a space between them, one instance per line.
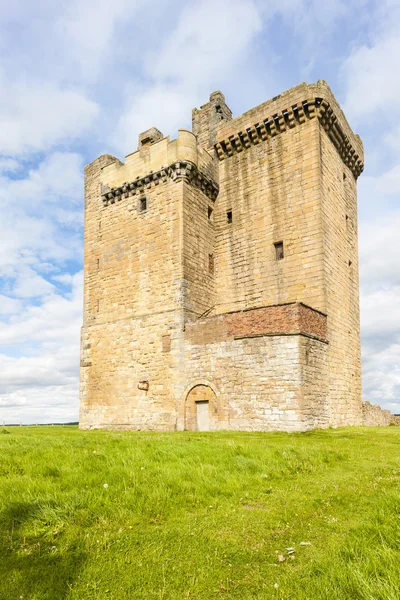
x=229 y=216
x=143 y=204
x=279 y=250
x=210 y=213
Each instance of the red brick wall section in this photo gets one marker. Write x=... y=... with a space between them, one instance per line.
x=294 y=318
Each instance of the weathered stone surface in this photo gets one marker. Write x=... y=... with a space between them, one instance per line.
x=374 y=415
x=222 y=267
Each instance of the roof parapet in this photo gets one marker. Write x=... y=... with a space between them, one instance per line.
x=291 y=109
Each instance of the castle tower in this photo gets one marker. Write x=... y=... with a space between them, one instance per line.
x=221 y=273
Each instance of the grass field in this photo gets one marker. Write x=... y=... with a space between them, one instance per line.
x=185 y=516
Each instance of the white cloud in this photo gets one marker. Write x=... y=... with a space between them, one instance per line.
x=380 y=312
x=65 y=278
x=382 y=374
x=8 y=165
x=30 y=285
x=197 y=56
x=380 y=250
x=51 y=404
x=56 y=318
x=47 y=373
x=37 y=114
x=370 y=71
x=9 y=305
x=41 y=218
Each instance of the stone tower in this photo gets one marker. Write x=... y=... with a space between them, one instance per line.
x=221 y=273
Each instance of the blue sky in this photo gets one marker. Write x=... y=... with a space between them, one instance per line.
x=82 y=77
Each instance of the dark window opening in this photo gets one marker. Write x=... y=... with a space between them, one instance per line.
x=350 y=263
x=98 y=263
x=279 y=250
x=146 y=141
x=210 y=214
x=229 y=216
x=143 y=204
x=344 y=176
x=211 y=264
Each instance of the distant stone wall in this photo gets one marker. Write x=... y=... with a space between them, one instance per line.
x=374 y=415
x=394 y=420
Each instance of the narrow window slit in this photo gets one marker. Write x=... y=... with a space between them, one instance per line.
x=211 y=264
x=279 y=255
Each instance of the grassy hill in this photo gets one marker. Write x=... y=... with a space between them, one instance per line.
x=185 y=516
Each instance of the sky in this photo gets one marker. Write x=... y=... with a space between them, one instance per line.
x=79 y=78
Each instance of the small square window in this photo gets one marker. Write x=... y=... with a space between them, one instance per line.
x=279 y=250
x=210 y=213
x=229 y=216
x=142 y=204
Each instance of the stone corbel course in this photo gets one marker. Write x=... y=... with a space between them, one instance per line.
x=287 y=119
x=176 y=172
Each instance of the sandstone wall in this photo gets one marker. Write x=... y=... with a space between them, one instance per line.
x=261 y=383
x=272 y=190
x=132 y=261
x=267 y=366
x=341 y=286
x=288 y=172
x=373 y=415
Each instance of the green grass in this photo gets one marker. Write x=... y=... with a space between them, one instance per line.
x=191 y=516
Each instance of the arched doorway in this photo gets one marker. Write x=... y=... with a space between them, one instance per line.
x=201 y=409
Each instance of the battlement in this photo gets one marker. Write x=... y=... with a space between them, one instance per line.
x=286 y=111
x=163 y=159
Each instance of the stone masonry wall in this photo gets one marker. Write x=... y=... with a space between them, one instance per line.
x=373 y=415
x=132 y=259
x=261 y=383
x=272 y=191
x=339 y=217
x=298 y=184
